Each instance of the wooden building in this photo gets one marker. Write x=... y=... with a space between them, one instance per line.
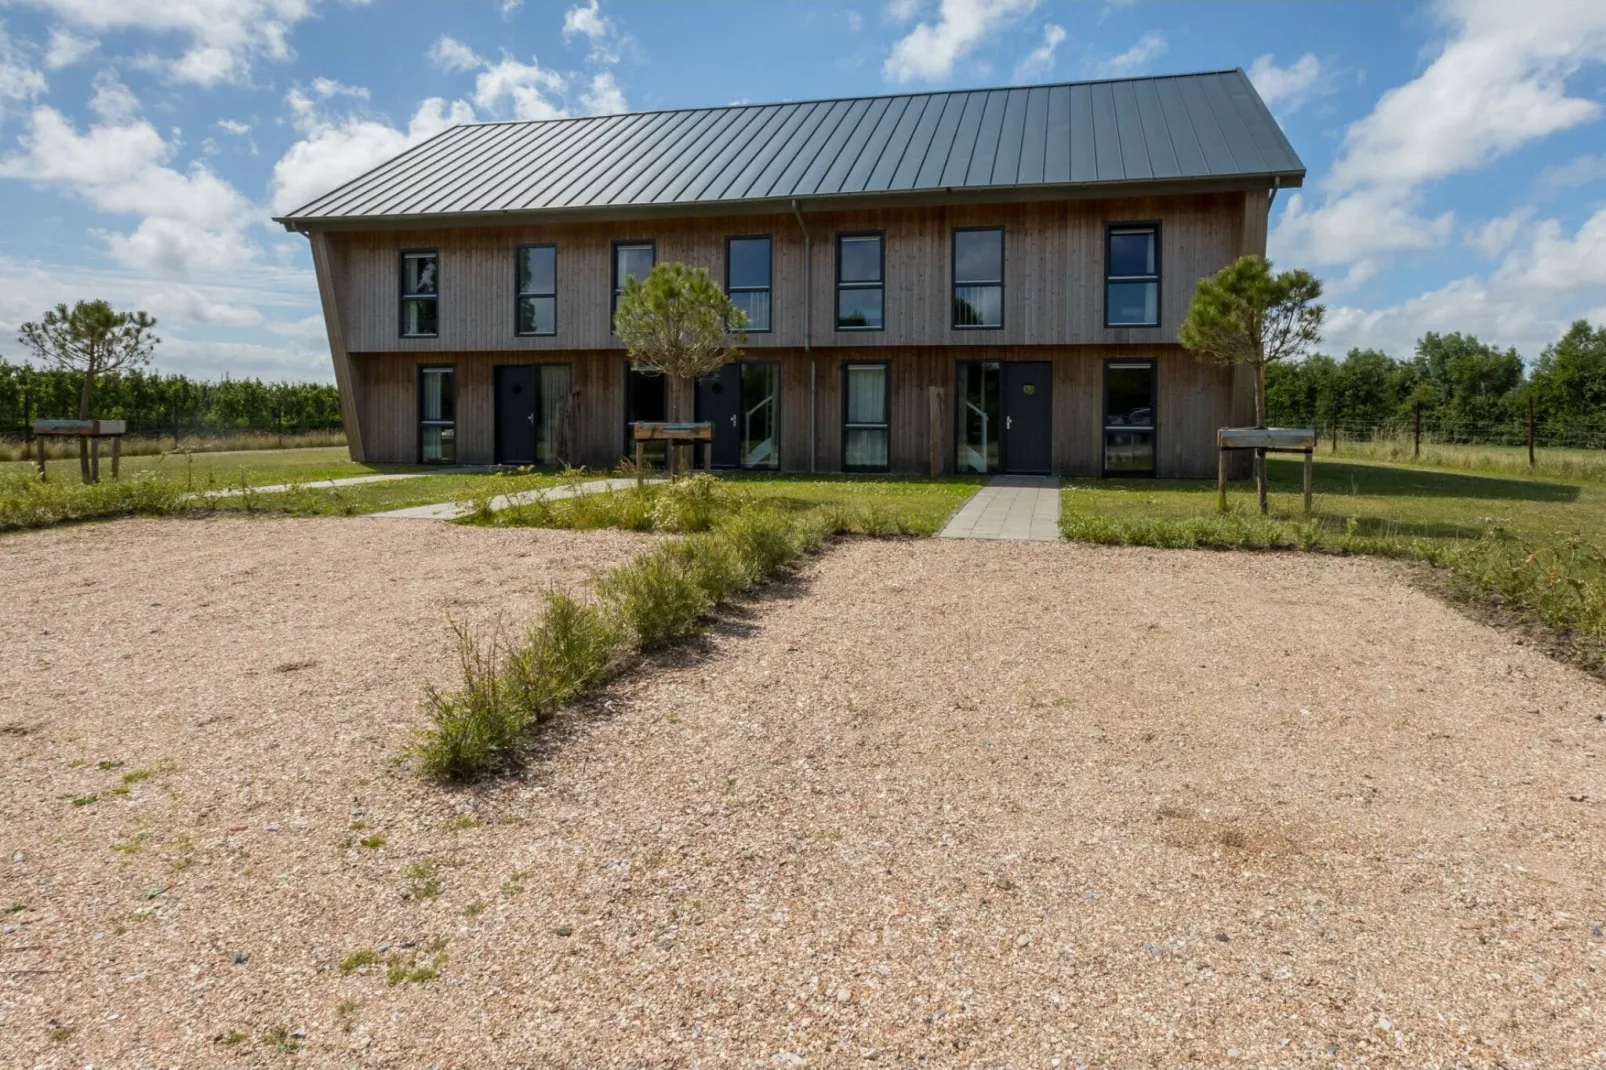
x=988 y=280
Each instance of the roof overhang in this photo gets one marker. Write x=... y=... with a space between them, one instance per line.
x=922 y=198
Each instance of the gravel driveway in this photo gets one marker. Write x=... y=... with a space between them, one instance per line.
x=934 y=804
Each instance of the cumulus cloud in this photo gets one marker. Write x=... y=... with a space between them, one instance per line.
x=1150 y=46
x=1498 y=83
x=191 y=221
x=1579 y=171
x=586 y=20
x=67 y=48
x=112 y=100
x=450 y=54
x=1495 y=236
x=224 y=38
x=335 y=148
x=603 y=96
x=19 y=79
x=1040 y=60
x=511 y=89
x=929 y=52
x=1287 y=89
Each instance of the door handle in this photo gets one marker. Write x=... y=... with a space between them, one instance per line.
x=532 y=417
x=1009 y=422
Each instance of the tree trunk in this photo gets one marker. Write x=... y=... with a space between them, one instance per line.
x=85 y=398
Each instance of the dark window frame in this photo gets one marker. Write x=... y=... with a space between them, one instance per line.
x=1153 y=226
x=613 y=270
x=404 y=296
x=1154 y=419
x=960 y=366
x=886 y=414
x=629 y=438
x=435 y=366
x=519 y=295
x=770 y=289
x=881 y=248
x=953 y=278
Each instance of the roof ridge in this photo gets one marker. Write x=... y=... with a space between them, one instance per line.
x=871 y=96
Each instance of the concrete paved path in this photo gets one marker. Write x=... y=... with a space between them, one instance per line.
x=347 y=481
x=1010 y=507
x=454 y=510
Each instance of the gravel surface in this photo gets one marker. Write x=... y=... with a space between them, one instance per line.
x=934 y=803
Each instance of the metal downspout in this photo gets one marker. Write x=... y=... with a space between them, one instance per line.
x=808 y=326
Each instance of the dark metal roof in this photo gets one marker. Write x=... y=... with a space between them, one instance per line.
x=1185 y=130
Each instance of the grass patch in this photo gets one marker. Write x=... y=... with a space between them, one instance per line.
x=660 y=597
x=363 y=956
x=27 y=503
x=424 y=879
x=1531 y=549
x=1587 y=466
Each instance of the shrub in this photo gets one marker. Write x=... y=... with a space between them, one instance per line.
x=26 y=502
x=763 y=536
x=476 y=727
x=689 y=504
x=570 y=650
x=655 y=597
x=714 y=563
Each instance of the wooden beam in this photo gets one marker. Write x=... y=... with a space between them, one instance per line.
x=323 y=263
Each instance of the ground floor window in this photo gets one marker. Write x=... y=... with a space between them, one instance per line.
x=437 y=415
x=646 y=400
x=554 y=426
x=979 y=417
x=867 y=417
x=1129 y=417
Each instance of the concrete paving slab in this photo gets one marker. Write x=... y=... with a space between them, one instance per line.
x=346 y=481
x=1010 y=507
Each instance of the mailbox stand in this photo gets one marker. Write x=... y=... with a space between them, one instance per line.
x=94 y=430
x=675 y=435
x=1263 y=440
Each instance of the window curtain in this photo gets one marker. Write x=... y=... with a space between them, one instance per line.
x=432 y=395
x=866 y=447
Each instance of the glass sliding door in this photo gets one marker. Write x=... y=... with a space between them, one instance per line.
x=760 y=416
x=979 y=417
x=1129 y=417
x=867 y=418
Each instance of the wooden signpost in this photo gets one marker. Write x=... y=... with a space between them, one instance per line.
x=1263 y=440
x=94 y=430
x=675 y=435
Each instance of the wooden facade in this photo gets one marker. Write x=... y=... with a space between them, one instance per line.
x=1053 y=311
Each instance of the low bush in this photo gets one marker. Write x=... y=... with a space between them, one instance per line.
x=654 y=596
x=27 y=502
x=570 y=649
x=1560 y=587
x=475 y=727
x=689 y=504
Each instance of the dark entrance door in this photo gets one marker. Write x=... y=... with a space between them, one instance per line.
x=1028 y=416
x=517 y=402
x=719 y=401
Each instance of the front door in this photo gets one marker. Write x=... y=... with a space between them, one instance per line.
x=719 y=402
x=1028 y=416
x=517 y=402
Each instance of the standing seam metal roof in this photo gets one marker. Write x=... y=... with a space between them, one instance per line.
x=1173 y=128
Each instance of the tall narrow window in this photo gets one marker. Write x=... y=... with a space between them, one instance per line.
x=631 y=260
x=1129 y=417
x=553 y=437
x=747 y=279
x=979 y=278
x=867 y=415
x=437 y=415
x=420 y=292
x=537 y=271
x=980 y=416
x=859 y=268
x=1132 y=276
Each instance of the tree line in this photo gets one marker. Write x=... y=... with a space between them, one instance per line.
x=157 y=403
x=1465 y=389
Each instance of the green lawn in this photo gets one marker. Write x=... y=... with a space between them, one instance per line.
x=920 y=505
x=1567 y=465
x=203 y=471
x=394 y=494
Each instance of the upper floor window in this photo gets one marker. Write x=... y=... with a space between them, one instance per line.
x=860 y=266
x=537 y=269
x=1132 y=275
x=631 y=260
x=420 y=292
x=979 y=277
x=747 y=279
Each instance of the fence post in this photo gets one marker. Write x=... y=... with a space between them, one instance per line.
x=1530 y=430
x=1416 y=446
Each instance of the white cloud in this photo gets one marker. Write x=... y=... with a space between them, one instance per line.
x=1554 y=264
x=188 y=304
x=450 y=54
x=520 y=90
x=19 y=79
x=1580 y=171
x=67 y=48
x=1150 y=46
x=1040 y=60
x=225 y=37
x=901 y=11
x=192 y=221
x=233 y=126
x=930 y=50
x=855 y=22
x=1496 y=235
x=1498 y=83
x=587 y=20
x=335 y=149
x=603 y=96
x=1287 y=89
x=113 y=101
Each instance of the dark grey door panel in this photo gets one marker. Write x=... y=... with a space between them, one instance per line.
x=517 y=402
x=1028 y=416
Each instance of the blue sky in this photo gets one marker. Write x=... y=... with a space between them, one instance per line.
x=1456 y=149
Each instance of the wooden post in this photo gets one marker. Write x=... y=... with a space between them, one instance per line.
x=1310 y=465
x=1221 y=480
x=641 y=463
x=934 y=432
x=1416 y=448
x=1261 y=478
x=39 y=443
x=117 y=453
x=708 y=457
x=94 y=458
x=1530 y=430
